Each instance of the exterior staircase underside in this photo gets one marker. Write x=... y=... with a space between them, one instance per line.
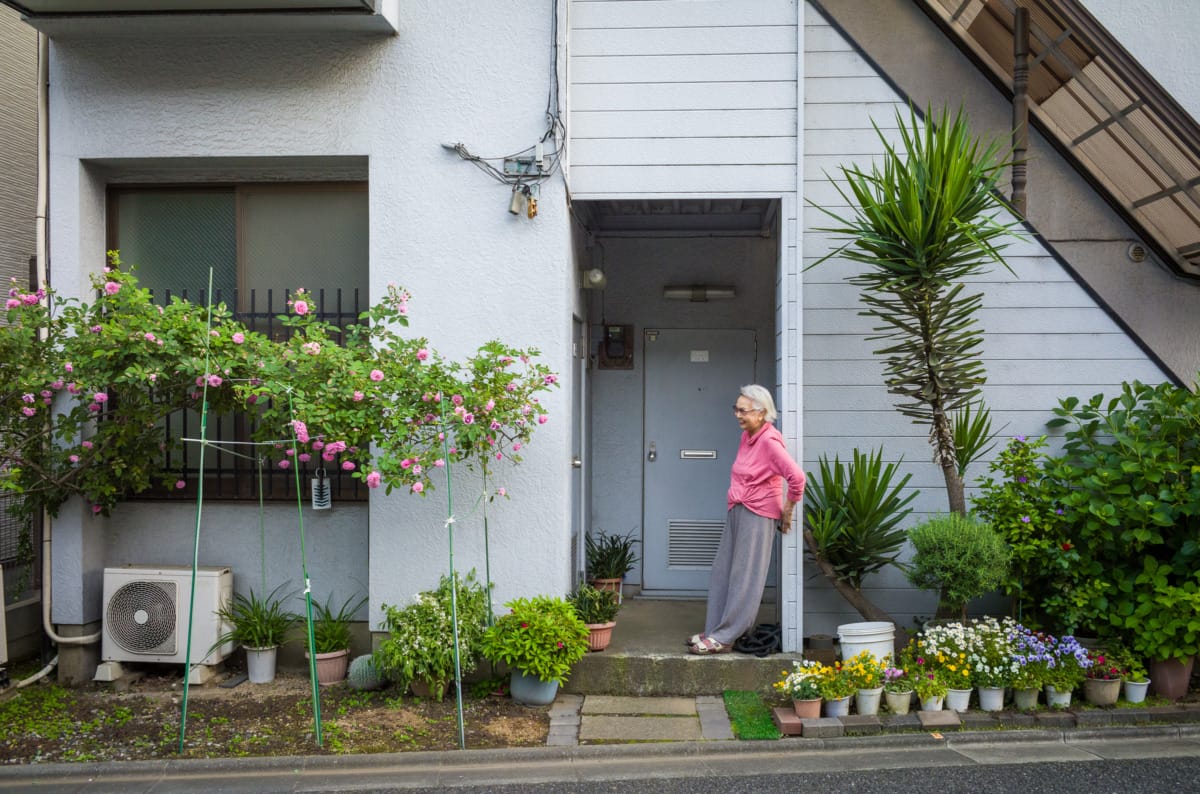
x=1100 y=107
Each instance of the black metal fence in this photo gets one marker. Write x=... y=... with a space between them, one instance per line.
x=22 y=570
x=233 y=468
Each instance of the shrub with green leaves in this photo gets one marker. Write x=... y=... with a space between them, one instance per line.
x=853 y=511
x=540 y=636
x=420 y=641
x=1129 y=476
x=960 y=557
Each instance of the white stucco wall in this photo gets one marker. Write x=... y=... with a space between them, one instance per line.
x=1161 y=35
x=469 y=72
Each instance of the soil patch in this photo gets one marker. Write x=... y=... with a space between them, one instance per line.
x=140 y=720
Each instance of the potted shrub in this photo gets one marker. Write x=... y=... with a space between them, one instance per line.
x=609 y=558
x=1066 y=669
x=598 y=610
x=540 y=639
x=931 y=689
x=419 y=648
x=958 y=556
x=260 y=625
x=331 y=638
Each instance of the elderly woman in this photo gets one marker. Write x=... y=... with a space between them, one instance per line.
x=757 y=506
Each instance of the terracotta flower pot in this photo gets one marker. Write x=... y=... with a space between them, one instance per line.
x=331 y=667
x=599 y=635
x=1170 y=677
x=807 y=709
x=1099 y=692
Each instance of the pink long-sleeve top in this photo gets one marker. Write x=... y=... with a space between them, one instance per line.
x=758 y=473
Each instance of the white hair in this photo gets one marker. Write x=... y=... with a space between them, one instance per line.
x=762 y=400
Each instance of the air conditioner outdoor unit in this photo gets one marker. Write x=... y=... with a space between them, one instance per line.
x=146 y=613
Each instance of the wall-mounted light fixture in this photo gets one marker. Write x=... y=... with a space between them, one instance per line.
x=699 y=293
x=594 y=278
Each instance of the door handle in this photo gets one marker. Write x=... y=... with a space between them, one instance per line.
x=576 y=463
x=652 y=455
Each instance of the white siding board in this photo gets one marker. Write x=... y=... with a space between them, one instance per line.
x=684 y=41
x=678 y=151
x=847 y=115
x=1008 y=295
x=1061 y=346
x=685 y=123
x=993 y=321
x=683 y=179
x=1081 y=371
x=673 y=13
x=762 y=95
x=848 y=63
x=680 y=68
x=836 y=89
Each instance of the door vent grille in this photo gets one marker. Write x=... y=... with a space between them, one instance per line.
x=693 y=544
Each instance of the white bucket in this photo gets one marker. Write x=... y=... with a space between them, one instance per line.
x=878 y=637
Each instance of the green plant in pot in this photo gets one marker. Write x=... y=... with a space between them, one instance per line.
x=331 y=637
x=260 y=625
x=598 y=610
x=610 y=558
x=540 y=639
x=960 y=557
x=419 y=648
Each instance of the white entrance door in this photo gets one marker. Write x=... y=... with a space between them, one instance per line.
x=690 y=440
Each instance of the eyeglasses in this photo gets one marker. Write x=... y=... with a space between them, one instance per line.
x=743 y=411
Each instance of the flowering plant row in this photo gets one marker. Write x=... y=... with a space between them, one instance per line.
x=87 y=389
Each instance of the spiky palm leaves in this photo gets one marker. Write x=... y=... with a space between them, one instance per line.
x=925 y=218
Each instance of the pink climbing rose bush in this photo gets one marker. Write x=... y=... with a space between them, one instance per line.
x=87 y=388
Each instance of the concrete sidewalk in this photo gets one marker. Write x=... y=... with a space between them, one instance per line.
x=607 y=719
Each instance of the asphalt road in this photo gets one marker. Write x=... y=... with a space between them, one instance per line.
x=1148 y=759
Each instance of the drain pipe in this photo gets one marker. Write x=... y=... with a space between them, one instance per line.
x=43 y=277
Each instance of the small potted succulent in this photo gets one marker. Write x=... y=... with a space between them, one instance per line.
x=540 y=639
x=598 y=610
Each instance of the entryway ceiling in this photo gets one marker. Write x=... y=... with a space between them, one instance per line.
x=725 y=215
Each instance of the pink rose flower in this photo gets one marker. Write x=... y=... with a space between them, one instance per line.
x=439 y=463
x=468 y=419
x=417 y=469
x=214 y=380
x=86 y=445
x=301 y=431
x=96 y=509
x=357 y=396
x=93 y=407
x=347 y=465
x=501 y=492
x=406 y=463
x=111 y=288
x=373 y=479
x=73 y=458
x=283 y=464
x=489 y=405
x=12 y=303
x=417 y=487
x=516 y=446
x=376 y=375
x=422 y=354
x=457 y=399
x=543 y=419
x=301 y=307
x=238 y=337
x=304 y=457
x=180 y=484
x=68 y=367
x=311 y=348
x=149 y=337
x=27 y=398
x=318 y=445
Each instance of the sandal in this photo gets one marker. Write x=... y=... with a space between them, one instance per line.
x=708 y=646
x=695 y=639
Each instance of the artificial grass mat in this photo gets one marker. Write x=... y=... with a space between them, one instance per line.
x=749 y=716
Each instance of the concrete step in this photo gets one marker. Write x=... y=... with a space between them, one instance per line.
x=648 y=656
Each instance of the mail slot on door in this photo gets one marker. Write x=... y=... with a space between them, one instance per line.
x=698 y=454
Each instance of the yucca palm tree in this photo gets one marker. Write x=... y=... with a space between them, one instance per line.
x=925 y=218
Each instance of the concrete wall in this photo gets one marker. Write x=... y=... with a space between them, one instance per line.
x=18 y=145
x=302 y=106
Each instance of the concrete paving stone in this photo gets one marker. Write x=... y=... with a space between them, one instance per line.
x=566 y=703
x=861 y=725
x=939 y=720
x=786 y=721
x=1171 y=714
x=612 y=704
x=639 y=729
x=1015 y=719
x=1090 y=718
x=901 y=722
x=1054 y=719
x=821 y=728
x=714 y=720
x=562 y=741
x=1023 y=753
x=977 y=720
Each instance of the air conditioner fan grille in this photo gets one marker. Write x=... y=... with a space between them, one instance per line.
x=141 y=617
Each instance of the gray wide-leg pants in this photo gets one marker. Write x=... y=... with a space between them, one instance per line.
x=738 y=574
